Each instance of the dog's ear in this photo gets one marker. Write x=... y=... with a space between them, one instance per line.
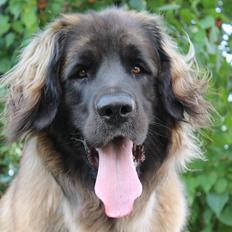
x=188 y=84
x=164 y=79
x=48 y=104
x=172 y=105
x=179 y=85
x=33 y=84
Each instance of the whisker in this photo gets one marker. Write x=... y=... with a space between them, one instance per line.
x=159 y=124
x=153 y=133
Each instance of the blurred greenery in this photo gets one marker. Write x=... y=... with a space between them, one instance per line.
x=209 y=184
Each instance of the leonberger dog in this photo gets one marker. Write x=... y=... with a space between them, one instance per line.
x=107 y=108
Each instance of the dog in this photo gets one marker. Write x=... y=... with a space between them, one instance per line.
x=106 y=107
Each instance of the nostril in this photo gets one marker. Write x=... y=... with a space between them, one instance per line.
x=107 y=112
x=125 y=110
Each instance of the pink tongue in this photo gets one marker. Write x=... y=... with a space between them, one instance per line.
x=117 y=183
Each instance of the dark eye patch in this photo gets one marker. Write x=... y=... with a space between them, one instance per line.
x=132 y=57
x=144 y=68
x=81 y=72
x=77 y=71
x=81 y=66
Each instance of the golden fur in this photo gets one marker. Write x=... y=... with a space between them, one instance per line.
x=34 y=200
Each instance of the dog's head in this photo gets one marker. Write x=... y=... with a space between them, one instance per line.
x=108 y=89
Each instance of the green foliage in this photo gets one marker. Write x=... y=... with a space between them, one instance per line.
x=209 y=184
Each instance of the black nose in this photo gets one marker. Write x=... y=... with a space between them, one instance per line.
x=115 y=108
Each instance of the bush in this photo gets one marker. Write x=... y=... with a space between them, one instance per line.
x=209 y=184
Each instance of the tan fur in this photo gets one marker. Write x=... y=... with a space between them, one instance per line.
x=35 y=202
x=25 y=210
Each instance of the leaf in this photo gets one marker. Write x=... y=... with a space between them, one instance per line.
x=211 y=47
x=154 y=5
x=207 y=22
x=15 y=8
x=4 y=65
x=208 y=228
x=207 y=182
x=169 y=7
x=226 y=216
x=192 y=184
x=10 y=39
x=214 y=35
x=209 y=4
x=187 y=15
x=138 y=4
x=207 y=215
x=5 y=25
x=2 y=2
x=221 y=185
x=29 y=18
x=199 y=37
x=17 y=26
x=227 y=8
x=216 y=202
x=56 y=6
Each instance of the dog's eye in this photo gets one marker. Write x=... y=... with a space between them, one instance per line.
x=81 y=72
x=136 y=70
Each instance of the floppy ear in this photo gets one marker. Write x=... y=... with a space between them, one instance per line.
x=180 y=88
x=164 y=79
x=172 y=105
x=188 y=84
x=34 y=88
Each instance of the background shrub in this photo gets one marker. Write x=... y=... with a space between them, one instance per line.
x=208 y=24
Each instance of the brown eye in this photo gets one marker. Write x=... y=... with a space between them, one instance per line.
x=136 y=70
x=82 y=72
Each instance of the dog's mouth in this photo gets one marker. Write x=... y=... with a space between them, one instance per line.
x=117 y=184
x=137 y=151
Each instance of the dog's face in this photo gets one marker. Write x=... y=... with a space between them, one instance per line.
x=111 y=79
x=108 y=85
x=112 y=95
x=106 y=102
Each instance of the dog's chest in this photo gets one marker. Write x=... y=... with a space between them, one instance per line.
x=141 y=221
